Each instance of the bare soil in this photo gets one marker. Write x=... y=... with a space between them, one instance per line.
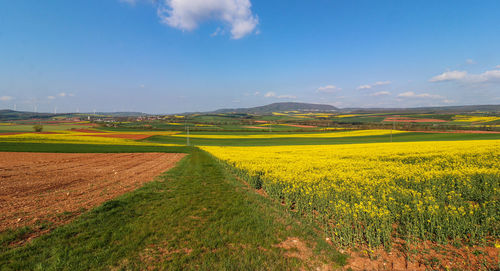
x=302 y=126
x=38 y=187
x=126 y=136
x=425 y=255
x=88 y=131
x=402 y=119
x=255 y=127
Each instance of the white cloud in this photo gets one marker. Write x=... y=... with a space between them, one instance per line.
x=218 y=32
x=470 y=61
x=188 y=14
x=497 y=67
x=6 y=98
x=379 y=83
x=62 y=94
x=51 y=97
x=328 y=89
x=463 y=76
x=365 y=87
x=486 y=76
x=382 y=83
x=272 y=94
x=411 y=94
x=380 y=93
x=449 y=76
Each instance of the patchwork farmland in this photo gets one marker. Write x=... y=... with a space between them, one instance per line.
x=134 y=195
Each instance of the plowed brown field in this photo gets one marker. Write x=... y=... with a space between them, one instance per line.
x=42 y=186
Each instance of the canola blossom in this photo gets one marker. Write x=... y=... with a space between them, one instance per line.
x=68 y=137
x=369 y=193
x=300 y=135
x=465 y=118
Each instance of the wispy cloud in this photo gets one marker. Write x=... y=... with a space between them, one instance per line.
x=6 y=98
x=218 y=32
x=380 y=93
x=328 y=89
x=411 y=94
x=470 y=62
x=51 y=97
x=272 y=94
x=189 y=14
x=497 y=67
x=130 y=2
x=379 y=83
x=449 y=76
x=465 y=77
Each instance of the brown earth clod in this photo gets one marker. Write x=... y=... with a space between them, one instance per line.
x=55 y=188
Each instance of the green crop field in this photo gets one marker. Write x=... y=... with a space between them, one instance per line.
x=211 y=214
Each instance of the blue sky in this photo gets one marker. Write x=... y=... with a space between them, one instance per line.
x=170 y=56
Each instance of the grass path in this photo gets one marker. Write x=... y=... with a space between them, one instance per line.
x=195 y=217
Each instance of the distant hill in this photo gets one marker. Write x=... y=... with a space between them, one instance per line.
x=436 y=109
x=280 y=107
x=118 y=114
x=7 y=114
x=17 y=115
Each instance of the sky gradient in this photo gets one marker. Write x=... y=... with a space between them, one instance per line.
x=171 y=56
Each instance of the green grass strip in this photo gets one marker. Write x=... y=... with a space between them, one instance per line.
x=195 y=217
x=404 y=137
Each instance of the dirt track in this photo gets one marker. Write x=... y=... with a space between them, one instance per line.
x=41 y=186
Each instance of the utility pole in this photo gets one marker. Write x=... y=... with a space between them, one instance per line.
x=187 y=138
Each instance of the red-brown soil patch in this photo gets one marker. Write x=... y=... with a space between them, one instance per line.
x=88 y=131
x=126 y=136
x=12 y=133
x=424 y=256
x=301 y=126
x=255 y=127
x=401 y=119
x=43 y=186
x=296 y=248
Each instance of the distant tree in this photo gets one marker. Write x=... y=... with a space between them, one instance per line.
x=38 y=128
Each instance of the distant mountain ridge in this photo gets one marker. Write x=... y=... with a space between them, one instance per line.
x=7 y=114
x=280 y=107
x=442 y=109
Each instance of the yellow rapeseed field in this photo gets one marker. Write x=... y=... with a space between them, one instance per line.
x=367 y=193
x=465 y=118
x=69 y=137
